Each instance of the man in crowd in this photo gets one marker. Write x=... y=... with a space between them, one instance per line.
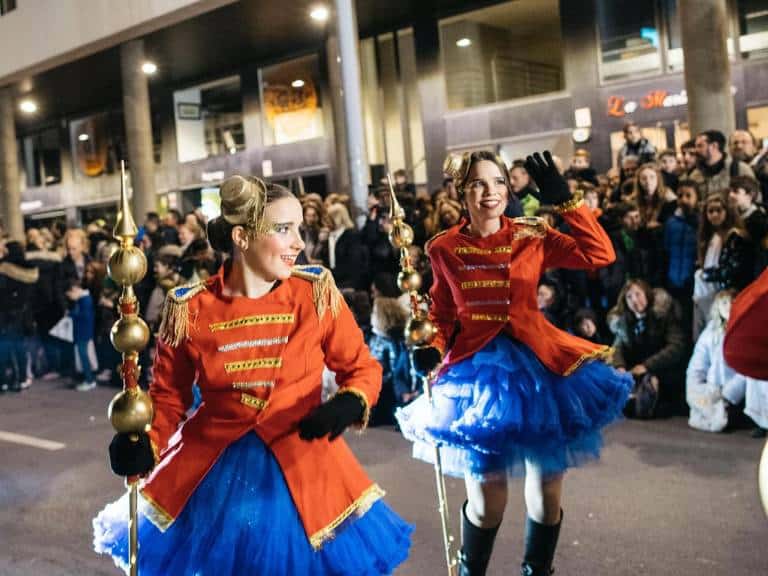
x=523 y=189
x=581 y=168
x=716 y=167
x=742 y=195
x=669 y=170
x=690 y=159
x=636 y=145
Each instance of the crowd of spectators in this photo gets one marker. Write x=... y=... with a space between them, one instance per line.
x=688 y=227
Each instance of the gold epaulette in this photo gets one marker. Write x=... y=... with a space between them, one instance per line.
x=23 y=275
x=174 y=326
x=531 y=226
x=428 y=243
x=325 y=294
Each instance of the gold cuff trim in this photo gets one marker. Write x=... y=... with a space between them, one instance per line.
x=483 y=251
x=252 y=321
x=155 y=450
x=366 y=406
x=603 y=353
x=359 y=507
x=491 y=317
x=254 y=384
x=572 y=204
x=485 y=284
x=156 y=513
x=253 y=401
x=243 y=365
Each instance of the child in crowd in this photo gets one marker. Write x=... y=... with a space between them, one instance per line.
x=82 y=314
x=712 y=387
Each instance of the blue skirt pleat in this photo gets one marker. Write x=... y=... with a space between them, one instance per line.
x=501 y=407
x=241 y=520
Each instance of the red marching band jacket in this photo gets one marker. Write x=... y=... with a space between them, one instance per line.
x=483 y=286
x=258 y=363
x=746 y=344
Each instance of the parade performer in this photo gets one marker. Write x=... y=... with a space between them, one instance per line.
x=746 y=344
x=256 y=480
x=513 y=394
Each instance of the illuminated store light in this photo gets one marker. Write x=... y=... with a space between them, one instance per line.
x=319 y=14
x=297 y=83
x=149 y=68
x=463 y=42
x=83 y=137
x=28 y=106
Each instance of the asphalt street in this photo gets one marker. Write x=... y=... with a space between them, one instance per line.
x=664 y=499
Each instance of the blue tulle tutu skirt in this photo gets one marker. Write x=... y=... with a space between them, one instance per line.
x=501 y=408
x=241 y=520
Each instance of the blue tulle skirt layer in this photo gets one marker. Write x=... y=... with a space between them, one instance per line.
x=501 y=408
x=241 y=520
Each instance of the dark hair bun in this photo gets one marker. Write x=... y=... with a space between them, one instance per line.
x=220 y=234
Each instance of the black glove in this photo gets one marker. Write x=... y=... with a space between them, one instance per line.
x=553 y=188
x=128 y=458
x=425 y=359
x=332 y=417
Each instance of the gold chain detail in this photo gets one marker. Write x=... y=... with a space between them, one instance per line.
x=572 y=204
x=485 y=284
x=491 y=317
x=251 y=364
x=252 y=401
x=252 y=321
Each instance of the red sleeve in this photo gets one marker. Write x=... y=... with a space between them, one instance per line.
x=587 y=247
x=171 y=392
x=442 y=311
x=745 y=346
x=347 y=355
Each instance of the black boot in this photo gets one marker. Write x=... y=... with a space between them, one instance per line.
x=540 y=545
x=476 y=546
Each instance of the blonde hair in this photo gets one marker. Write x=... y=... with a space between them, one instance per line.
x=339 y=216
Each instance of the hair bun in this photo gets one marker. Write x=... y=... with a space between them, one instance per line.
x=456 y=166
x=220 y=234
x=241 y=198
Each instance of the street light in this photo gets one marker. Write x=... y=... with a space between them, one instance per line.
x=319 y=13
x=149 y=68
x=28 y=106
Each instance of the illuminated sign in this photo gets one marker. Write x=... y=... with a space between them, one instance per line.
x=619 y=106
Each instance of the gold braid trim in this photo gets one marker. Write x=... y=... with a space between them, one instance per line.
x=174 y=325
x=156 y=513
x=155 y=450
x=325 y=294
x=573 y=204
x=358 y=507
x=366 y=406
x=604 y=353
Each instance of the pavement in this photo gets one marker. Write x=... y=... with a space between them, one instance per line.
x=664 y=499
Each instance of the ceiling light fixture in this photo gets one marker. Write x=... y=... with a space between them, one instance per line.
x=83 y=137
x=298 y=83
x=463 y=42
x=319 y=13
x=149 y=68
x=28 y=106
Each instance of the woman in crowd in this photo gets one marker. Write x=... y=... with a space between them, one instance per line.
x=650 y=345
x=256 y=480
x=344 y=252
x=513 y=395
x=724 y=258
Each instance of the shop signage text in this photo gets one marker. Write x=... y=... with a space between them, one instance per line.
x=619 y=106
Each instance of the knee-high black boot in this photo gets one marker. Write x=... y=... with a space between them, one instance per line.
x=540 y=545
x=476 y=546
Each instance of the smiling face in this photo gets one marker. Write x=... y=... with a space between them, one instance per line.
x=273 y=255
x=486 y=192
x=636 y=300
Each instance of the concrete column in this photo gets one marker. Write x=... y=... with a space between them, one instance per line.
x=707 y=68
x=346 y=28
x=10 y=187
x=138 y=128
x=341 y=164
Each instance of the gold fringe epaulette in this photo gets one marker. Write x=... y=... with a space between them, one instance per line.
x=23 y=275
x=325 y=294
x=531 y=226
x=174 y=326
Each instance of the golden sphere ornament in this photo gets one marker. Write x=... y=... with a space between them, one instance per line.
x=127 y=266
x=131 y=411
x=409 y=280
x=130 y=334
x=419 y=331
x=401 y=235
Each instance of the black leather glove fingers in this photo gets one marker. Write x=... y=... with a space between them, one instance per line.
x=129 y=458
x=332 y=417
x=552 y=186
x=425 y=359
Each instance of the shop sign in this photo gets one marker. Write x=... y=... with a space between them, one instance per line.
x=619 y=106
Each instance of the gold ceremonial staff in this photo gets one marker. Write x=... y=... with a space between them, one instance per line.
x=419 y=332
x=130 y=411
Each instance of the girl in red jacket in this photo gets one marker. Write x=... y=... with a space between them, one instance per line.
x=257 y=480
x=513 y=394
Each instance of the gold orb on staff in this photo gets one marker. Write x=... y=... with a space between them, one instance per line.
x=130 y=411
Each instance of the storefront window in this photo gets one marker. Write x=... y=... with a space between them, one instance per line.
x=757 y=121
x=504 y=52
x=291 y=101
x=98 y=143
x=629 y=38
x=753 y=27
x=209 y=120
x=40 y=156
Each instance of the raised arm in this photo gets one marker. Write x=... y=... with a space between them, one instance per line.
x=587 y=247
